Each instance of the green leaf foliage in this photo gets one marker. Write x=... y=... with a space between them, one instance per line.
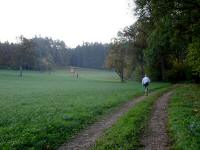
x=193 y=56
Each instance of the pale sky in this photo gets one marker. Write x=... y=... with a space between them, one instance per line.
x=73 y=21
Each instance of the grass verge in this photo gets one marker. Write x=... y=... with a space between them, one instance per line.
x=125 y=134
x=184 y=118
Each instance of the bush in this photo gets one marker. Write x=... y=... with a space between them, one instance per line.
x=193 y=57
x=180 y=71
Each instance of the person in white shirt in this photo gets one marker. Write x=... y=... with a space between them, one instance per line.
x=145 y=83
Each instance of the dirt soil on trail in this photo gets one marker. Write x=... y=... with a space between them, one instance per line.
x=86 y=139
x=155 y=136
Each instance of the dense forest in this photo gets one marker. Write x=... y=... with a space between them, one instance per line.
x=89 y=55
x=45 y=54
x=163 y=43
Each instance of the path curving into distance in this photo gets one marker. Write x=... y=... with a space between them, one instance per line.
x=155 y=136
x=87 y=138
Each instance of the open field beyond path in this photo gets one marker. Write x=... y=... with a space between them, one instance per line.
x=42 y=110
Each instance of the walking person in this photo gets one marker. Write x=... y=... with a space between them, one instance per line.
x=145 y=83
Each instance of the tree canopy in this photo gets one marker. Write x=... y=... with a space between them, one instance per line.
x=164 y=41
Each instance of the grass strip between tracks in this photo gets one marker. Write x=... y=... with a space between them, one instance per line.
x=126 y=133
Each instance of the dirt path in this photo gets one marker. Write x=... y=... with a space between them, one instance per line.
x=87 y=138
x=155 y=136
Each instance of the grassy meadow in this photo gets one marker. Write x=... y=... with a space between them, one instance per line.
x=42 y=110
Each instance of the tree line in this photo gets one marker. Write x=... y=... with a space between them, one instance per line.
x=45 y=54
x=164 y=42
x=89 y=55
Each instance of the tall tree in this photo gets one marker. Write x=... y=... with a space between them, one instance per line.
x=117 y=58
x=173 y=26
x=136 y=35
x=25 y=55
x=159 y=46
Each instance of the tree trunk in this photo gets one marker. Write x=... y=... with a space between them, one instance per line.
x=142 y=70
x=122 y=77
x=142 y=64
x=20 y=69
x=122 y=74
x=162 y=68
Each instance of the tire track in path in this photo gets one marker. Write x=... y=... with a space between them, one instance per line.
x=155 y=136
x=87 y=138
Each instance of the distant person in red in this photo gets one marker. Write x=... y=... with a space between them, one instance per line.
x=145 y=83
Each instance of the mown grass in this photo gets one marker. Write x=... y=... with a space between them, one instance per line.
x=41 y=110
x=126 y=133
x=184 y=118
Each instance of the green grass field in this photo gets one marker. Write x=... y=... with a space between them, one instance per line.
x=184 y=118
x=41 y=110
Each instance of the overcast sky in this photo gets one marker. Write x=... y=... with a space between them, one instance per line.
x=74 y=21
